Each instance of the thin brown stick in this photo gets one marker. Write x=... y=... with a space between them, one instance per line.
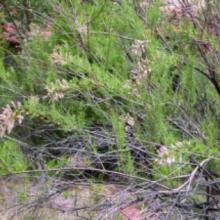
x=185 y=187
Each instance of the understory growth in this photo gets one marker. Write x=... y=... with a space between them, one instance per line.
x=121 y=92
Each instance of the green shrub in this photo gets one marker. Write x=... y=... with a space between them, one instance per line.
x=90 y=50
x=12 y=158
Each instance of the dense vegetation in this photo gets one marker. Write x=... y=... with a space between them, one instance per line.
x=124 y=92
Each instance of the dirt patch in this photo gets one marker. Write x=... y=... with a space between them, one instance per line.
x=21 y=198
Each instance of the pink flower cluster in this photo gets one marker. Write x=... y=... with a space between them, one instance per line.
x=9 y=116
